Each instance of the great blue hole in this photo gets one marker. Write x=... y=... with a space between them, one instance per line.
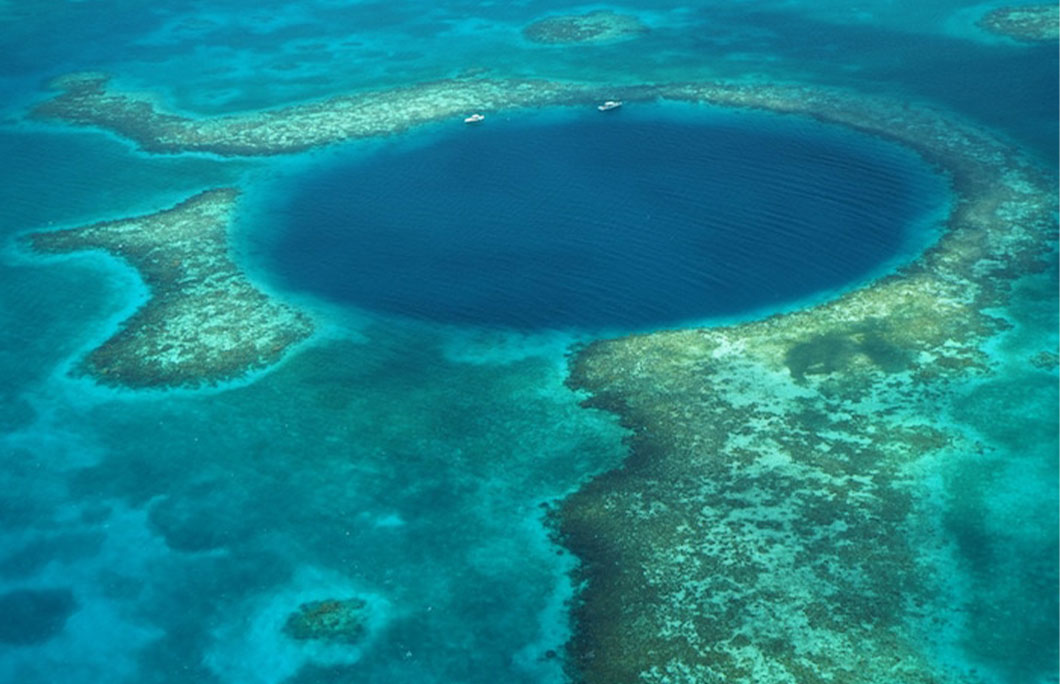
x=628 y=220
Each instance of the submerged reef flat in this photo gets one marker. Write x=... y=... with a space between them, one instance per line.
x=204 y=322
x=87 y=101
x=769 y=525
x=331 y=620
x=1038 y=23
x=602 y=26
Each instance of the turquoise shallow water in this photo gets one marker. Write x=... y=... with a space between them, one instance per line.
x=164 y=537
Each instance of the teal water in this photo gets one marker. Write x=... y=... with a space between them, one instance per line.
x=164 y=537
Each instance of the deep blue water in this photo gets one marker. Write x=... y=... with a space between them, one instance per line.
x=164 y=539
x=605 y=221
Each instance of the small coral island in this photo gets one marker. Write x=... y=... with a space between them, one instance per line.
x=337 y=621
x=1036 y=23
x=205 y=322
x=595 y=27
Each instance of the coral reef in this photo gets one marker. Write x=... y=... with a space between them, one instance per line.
x=85 y=100
x=1046 y=360
x=205 y=322
x=1037 y=23
x=764 y=527
x=332 y=620
x=594 y=27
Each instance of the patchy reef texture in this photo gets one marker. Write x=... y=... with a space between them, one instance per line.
x=87 y=101
x=768 y=524
x=1038 y=23
x=204 y=321
x=602 y=26
x=332 y=620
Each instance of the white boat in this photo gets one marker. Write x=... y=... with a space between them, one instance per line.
x=609 y=105
x=474 y=118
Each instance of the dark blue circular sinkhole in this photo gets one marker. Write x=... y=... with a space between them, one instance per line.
x=622 y=221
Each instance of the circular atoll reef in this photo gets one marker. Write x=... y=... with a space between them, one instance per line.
x=758 y=530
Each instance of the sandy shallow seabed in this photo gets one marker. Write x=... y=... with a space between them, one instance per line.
x=768 y=525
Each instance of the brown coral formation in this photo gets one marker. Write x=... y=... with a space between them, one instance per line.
x=602 y=26
x=85 y=100
x=332 y=620
x=1046 y=360
x=205 y=322
x=1033 y=23
x=765 y=527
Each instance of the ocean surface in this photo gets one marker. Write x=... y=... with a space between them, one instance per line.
x=663 y=217
x=408 y=452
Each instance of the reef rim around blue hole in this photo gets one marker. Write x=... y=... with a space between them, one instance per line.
x=631 y=220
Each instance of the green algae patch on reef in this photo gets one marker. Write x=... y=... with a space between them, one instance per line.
x=770 y=522
x=204 y=322
x=331 y=620
x=86 y=100
x=1032 y=23
x=602 y=26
